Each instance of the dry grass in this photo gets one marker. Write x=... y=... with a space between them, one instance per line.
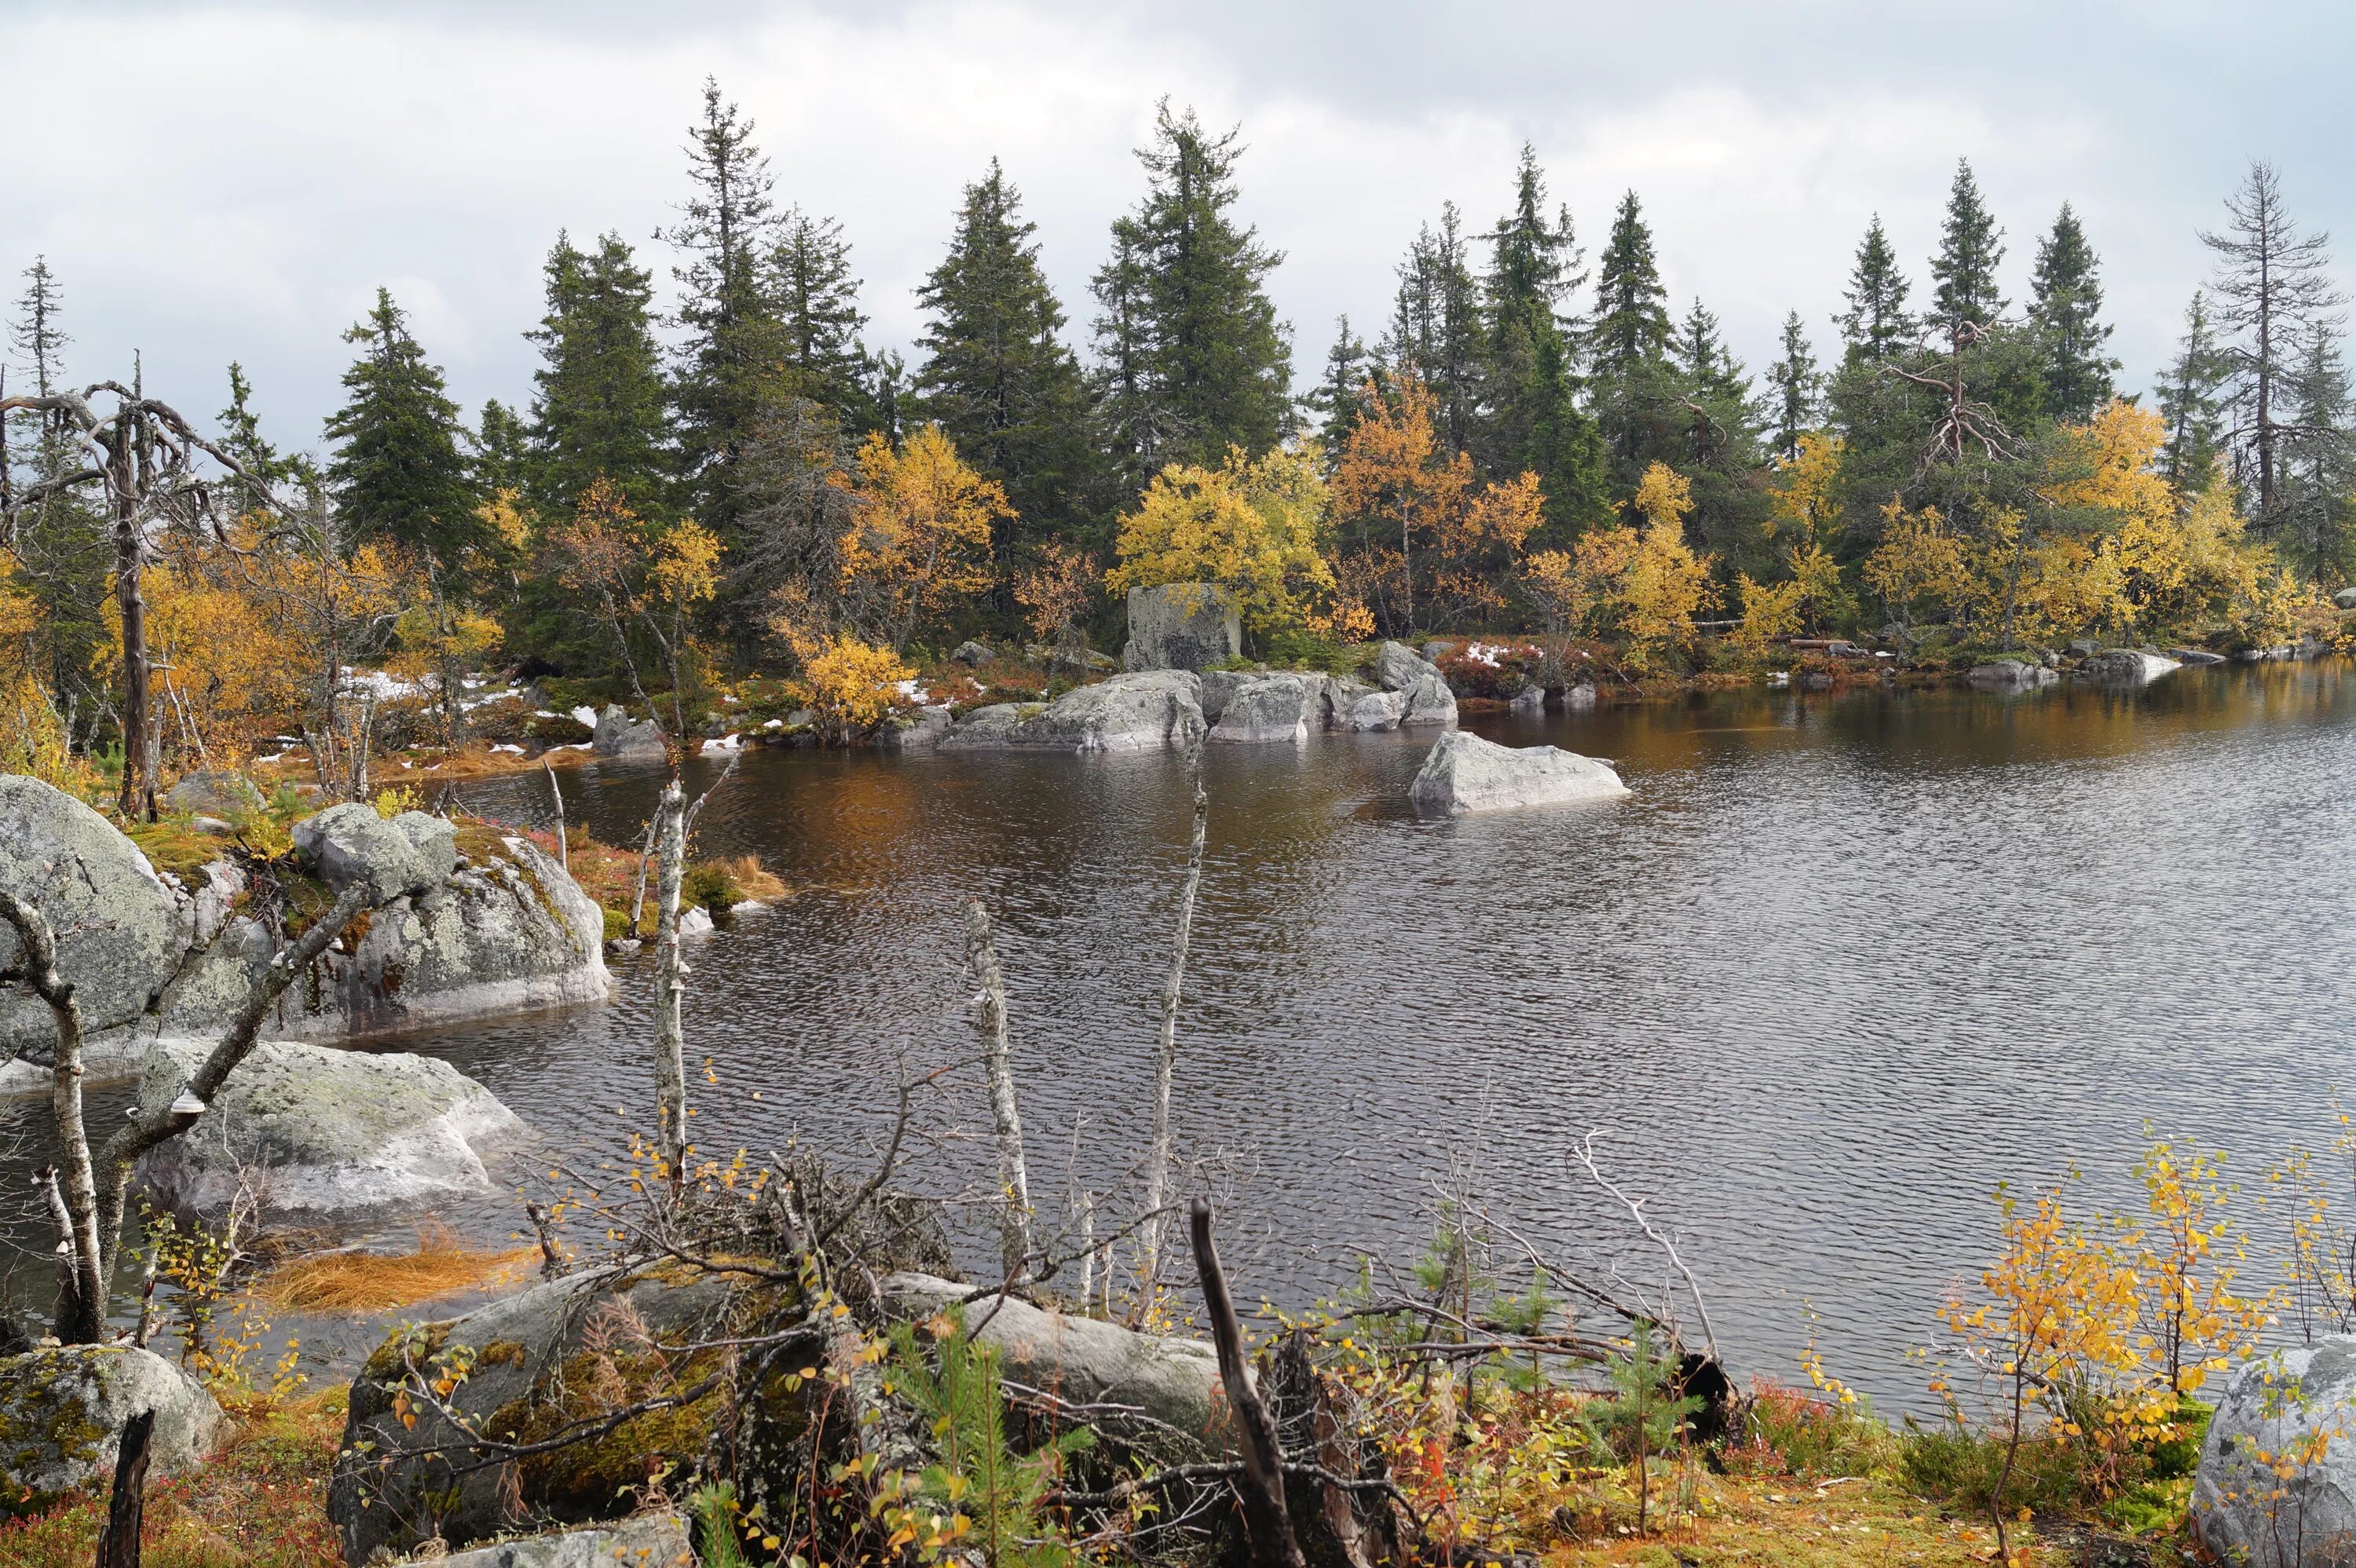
x=1771 y=1524
x=380 y=1281
x=749 y=876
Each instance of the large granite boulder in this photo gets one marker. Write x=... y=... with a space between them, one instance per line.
x=2345 y=599
x=2010 y=675
x=1217 y=686
x=2127 y=666
x=2276 y=1411
x=1427 y=699
x=1465 y=774
x=352 y=843
x=61 y=1415
x=1172 y=1384
x=565 y=1352
x=1141 y=711
x=1263 y=709
x=1182 y=625
x=119 y=929
x=324 y=1135
x=649 y=1541
x=617 y=737
x=1375 y=711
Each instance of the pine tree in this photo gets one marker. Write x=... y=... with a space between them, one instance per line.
x=817 y=309
x=597 y=405
x=2273 y=286
x=2192 y=400
x=1337 y=399
x=1970 y=246
x=397 y=474
x=1529 y=370
x=60 y=542
x=1437 y=328
x=2319 y=457
x=1875 y=328
x=499 y=457
x=726 y=310
x=1700 y=355
x=1795 y=388
x=1184 y=302
x=2065 y=306
x=1630 y=327
x=1532 y=261
x=997 y=376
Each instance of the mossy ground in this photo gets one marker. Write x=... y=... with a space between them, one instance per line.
x=260 y=1502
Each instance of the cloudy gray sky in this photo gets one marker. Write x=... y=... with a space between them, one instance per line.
x=232 y=181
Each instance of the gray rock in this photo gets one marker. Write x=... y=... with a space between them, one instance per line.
x=62 y=1410
x=1428 y=701
x=2128 y=667
x=1265 y=707
x=326 y=1134
x=216 y=792
x=1465 y=773
x=2195 y=656
x=350 y=844
x=1171 y=1381
x=1437 y=648
x=1529 y=702
x=1141 y=710
x=1398 y=667
x=2242 y=1512
x=2010 y=675
x=649 y=1541
x=1218 y=684
x=390 y=1490
x=119 y=930
x=915 y=730
x=1580 y=699
x=1182 y=625
x=2082 y=647
x=1335 y=696
x=617 y=737
x=1375 y=711
x=2345 y=599
x=970 y=652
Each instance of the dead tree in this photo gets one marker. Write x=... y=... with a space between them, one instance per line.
x=118 y=1541
x=1266 y=1518
x=1006 y=1120
x=670 y=1038
x=1165 y=1058
x=143 y=458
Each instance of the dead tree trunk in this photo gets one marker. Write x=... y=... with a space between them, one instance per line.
x=1014 y=1177
x=670 y=1040
x=1266 y=1520
x=564 y=854
x=1166 y=1059
x=118 y=1543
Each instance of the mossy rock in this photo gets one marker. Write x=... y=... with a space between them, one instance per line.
x=62 y=1411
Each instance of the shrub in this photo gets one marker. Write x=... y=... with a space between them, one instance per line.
x=558 y=729
x=720 y=885
x=1794 y=1432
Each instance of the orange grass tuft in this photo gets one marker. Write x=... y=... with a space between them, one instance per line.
x=750 y=878
x=377 y=1282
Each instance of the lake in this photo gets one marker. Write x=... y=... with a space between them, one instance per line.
x=1844 y=963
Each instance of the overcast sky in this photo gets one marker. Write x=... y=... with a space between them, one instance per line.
x=233 y=181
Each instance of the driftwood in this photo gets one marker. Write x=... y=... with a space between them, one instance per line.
x=1265 y=1518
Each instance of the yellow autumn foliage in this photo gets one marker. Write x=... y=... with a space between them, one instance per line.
x=1253 y=526
x=918 y=544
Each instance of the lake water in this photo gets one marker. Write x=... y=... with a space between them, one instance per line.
x=1842 y=964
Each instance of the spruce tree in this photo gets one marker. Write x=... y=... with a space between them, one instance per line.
x=1437 y=327
x=997 y=376
x=1338 y=401
x=1875 y=328
x=1970 y=246
x=2192 y=400
x=397 y=474
x=818 y=310
x=1557 y=438
x=2066 y=307
x=1534 y=268
x=60 y=542
x=1534 y=262
x=1700 y=355
x=1631 y=326
x=1186 y=302
x=726 y=311
x=499 y=459
x=597 y=408
x=1795 y=388
x=2319 y=457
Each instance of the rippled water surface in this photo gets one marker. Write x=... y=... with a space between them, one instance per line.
x=1840 y=966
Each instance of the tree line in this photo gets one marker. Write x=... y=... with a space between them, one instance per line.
x=1529 y=442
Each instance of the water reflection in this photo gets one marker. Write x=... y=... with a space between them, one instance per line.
x=1842 y=964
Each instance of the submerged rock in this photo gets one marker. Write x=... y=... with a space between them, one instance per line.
x=119 y=929
x=1465 y=773
x=323 y=1135
x=1182 y=625
x=1141 y=710
x=1264 y=708
x=2195 y=656
x=61 y=1415
x=2127 y=666
x=2293 y=1403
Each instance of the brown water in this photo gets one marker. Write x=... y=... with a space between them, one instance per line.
x=1840 y=966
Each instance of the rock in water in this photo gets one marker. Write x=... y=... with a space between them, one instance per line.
x=1529 y=702
x=649 y=1541
x=61 y=1415
x=1139 y=712
x=1427 y=699
x=326 y=1135
x=2293 y=1401
x=1373 y=710
x=2195 y=656
x=2010 y=674
x=2128 y=666
x=1265 y=707
x=119 y=929
x=617 y=737
x=1465 y=773
x=1182 y=625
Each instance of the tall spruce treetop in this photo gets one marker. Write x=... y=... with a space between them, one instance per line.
x=1186 y=297
x=1970 y=246
x=2065 y=306
x=1699 y=353
x=597 y=406
x=1795 y=388
x=996 y=375
x=36 y=336
x=1630 y=327
x=1437 y=327
x=1337 y=399
x=2191 y=401
x=1875 y=328
x=397 y=474
x=1534 y=260
x=724 y=233
x=817 y=308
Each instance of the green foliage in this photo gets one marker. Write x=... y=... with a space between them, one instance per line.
x=1293 y=647
x=597 y=407
x=397 y=472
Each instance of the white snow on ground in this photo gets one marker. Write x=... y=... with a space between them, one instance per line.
x=912 y=692
x=585 y=715
x=725 y=744
x=503 y=746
